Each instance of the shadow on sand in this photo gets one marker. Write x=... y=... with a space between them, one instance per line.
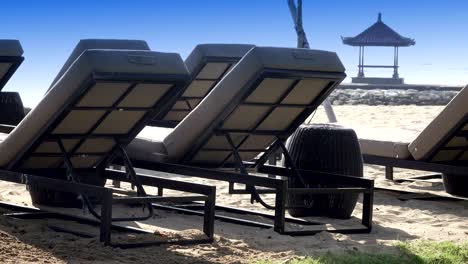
x=233 y=243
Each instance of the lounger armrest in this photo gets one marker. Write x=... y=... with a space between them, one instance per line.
x=6 y=128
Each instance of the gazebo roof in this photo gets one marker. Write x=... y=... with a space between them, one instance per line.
x=379 y=34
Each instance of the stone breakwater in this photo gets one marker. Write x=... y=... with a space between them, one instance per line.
x=376 y=96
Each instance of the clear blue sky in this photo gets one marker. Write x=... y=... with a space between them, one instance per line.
x=48 y=31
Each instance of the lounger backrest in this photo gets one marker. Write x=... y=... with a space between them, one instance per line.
x=269 y=93
x=207 y=65
x=445 y=139
x=87 y=44
x=104 y=99
x=10 y=59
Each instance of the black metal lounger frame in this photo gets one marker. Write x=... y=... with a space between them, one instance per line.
x=14 y=173
x=453 y=167
x=15 y=63
x=207 y=194
x=280 y=188
x=277 y=186
x=208 y=59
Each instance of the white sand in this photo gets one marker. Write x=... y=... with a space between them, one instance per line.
x=393 y=219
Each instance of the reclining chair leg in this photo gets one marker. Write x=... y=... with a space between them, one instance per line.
x=367 y=203
x=389 y=173
x=280 y=207
x=106 y=218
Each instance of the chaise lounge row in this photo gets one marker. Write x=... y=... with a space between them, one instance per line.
x=229 y=104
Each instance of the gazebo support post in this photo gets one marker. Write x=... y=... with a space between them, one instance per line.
x=395 y=63
x=361 y=62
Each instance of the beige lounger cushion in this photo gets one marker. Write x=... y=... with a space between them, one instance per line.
x=207 y=64
x=398 y=150
x=149 y=146
x=385 y=142
x=3 y=136
x=206 y=51
x=8 y=48
x=103 y=93
x=86 y=44
x=229 y=91
x=439 y=128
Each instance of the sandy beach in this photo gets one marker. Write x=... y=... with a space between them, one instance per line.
x=32 y=241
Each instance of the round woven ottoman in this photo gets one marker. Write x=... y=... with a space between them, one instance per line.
x=456 y=184
x=325 y=148
x=11 y=108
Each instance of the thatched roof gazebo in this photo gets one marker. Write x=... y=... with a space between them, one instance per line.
x=378 y=35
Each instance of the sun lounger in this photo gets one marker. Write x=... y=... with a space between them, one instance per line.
x=246 y=117
x=270 y=92
x=93 y=110
x=11 y=56
x=81 y=109
x=207 y=65
x=441 y=147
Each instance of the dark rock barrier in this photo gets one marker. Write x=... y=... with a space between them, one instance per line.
x=353 y=94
